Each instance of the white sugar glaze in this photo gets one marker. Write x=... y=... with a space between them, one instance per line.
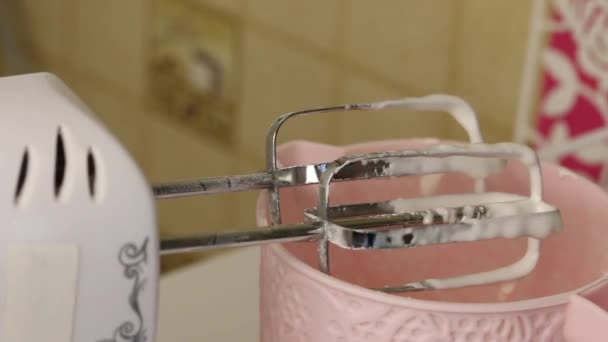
x=457 y=107
x=503 y=221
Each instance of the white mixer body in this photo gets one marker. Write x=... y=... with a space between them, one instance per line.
x=79 y=256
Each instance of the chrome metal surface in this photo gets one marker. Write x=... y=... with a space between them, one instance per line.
x=458 y=108
x=378 y=225
x=309 y=174
x=446 y=231
x=384 y=231
x=256 y=236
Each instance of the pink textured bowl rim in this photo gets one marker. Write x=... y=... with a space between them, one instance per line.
x=325 y=280
x=426 y=305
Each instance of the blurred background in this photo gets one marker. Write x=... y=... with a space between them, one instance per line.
x=191 y=86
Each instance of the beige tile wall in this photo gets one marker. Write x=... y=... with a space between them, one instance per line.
x=48 y=25
x=353 y=127
x=108 y=39
x=310 y=22
x=487 y=68
x=413 y=50
x=279 y=78
x=295 y=55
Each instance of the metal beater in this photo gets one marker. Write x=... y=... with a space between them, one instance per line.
x=79 y=243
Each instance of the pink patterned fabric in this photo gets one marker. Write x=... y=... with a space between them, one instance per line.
x=574 y=95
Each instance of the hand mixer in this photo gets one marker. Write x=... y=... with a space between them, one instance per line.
x=79 y=246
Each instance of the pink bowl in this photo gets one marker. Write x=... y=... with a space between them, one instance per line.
x=300 y=303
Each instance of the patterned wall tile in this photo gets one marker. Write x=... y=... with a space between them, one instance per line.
x=195 y=68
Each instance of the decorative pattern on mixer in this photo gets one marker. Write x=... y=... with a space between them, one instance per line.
x=133 y=259
x=287 y=315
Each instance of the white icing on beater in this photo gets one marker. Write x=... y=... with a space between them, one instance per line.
x=444 y=213
x=460 y=110
x=468 y=211
x=516 y=270
x=505 y=217
x=503 y=220
x=475 y=167
x=427 y=217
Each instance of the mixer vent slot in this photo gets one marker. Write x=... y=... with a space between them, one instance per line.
x=60 y=162
x=23 y=168
x=91 y=172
